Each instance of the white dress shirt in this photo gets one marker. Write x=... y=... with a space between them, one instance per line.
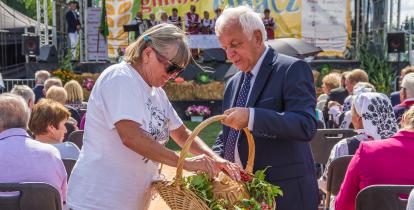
x=254 y=72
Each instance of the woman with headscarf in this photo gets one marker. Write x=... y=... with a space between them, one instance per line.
x=385 y=162
x=372 y=118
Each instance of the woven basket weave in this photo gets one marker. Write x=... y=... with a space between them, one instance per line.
x=178 y=197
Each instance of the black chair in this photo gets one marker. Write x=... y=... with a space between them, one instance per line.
x=69 y=164
x=383 y=197
x=336 y=173
x=324 y=140
x=30 y=196
x=77 y=138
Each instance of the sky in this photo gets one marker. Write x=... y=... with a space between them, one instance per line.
x=407 y=8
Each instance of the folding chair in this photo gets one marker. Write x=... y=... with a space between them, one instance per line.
x=336 y=173
x=77 y=138
x=324 y=140
x=30 y=196
x=69 y=164
x=383 y=197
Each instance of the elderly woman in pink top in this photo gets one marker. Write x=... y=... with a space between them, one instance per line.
x=380 y=162
x=23 y=159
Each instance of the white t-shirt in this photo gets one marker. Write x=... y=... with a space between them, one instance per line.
x=108 y=175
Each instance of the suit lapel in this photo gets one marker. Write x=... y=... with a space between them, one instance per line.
x=262 y=76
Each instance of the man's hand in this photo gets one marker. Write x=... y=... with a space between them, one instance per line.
x=237 y=118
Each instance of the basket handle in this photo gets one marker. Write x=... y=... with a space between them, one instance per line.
x=197 y=130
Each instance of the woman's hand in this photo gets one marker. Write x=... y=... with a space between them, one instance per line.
x=202 y=163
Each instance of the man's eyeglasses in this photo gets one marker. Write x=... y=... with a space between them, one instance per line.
x=171 y=68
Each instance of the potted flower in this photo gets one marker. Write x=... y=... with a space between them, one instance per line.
x=197 y=113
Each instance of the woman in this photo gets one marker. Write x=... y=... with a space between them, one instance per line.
x=380 y=162
x=372 y=118
x=47 y=123
x=75 y=95
x=129 y=120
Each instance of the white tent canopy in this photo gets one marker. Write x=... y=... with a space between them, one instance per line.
x=12 y=19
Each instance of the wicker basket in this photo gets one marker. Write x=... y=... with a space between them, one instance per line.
x=178 y=197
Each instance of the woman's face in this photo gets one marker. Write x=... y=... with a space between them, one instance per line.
x=156 y=66
x=59 y=132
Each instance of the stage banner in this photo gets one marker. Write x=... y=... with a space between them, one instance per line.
x=97 y=48
x=324 y=23
x=327 y=25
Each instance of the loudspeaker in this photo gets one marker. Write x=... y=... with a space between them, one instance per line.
x=48 y=54
x=214 y=54
x=396 y=42
x=30 y=45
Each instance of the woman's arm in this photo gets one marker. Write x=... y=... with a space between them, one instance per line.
x=198 y=147
x=137 y=140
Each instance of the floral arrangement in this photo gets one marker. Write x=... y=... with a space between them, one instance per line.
x=195 y=110
x=64 y=75
x=88 y=83
x=262 y=193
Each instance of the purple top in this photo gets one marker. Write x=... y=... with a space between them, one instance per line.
x=23 y=159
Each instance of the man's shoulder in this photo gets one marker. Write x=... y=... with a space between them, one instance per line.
x=42 y=149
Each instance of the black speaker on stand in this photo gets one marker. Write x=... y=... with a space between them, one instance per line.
x=396 y=44
x=30 y=45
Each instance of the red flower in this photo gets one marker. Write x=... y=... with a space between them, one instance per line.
x=245 y=177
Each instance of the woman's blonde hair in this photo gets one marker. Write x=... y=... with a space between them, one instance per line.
x=332 y=81
x=74 y=91
x=57 y=94
x=407 y=122
x=160 y=37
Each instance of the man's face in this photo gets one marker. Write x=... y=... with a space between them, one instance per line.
x=152 y=16
x=192 y=9
x=241 y=50
x=139 y=15
x=175 y=13
x=72 y=6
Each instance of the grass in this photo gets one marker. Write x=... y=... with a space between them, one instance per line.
x=208 y=135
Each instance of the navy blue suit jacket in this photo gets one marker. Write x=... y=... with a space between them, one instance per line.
x=284 y=99
x=72 y=21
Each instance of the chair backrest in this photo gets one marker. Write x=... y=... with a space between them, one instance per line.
x=69 y=164
x=30 y=196
x=324 y=140
x=77 y=138
x=383 y=197
x=336 y=173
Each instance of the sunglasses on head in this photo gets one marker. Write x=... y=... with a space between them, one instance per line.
x=171 y=68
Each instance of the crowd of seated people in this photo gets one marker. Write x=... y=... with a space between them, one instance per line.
x=383 y=145
x=382 y=149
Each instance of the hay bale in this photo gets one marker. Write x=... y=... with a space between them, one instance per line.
x=180 y=91
x=211 y=91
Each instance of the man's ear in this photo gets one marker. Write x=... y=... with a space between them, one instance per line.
x=257 y=36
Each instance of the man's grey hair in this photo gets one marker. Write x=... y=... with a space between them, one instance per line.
x=408 y=84
x=41 y=76
x=248 y=19
x=14 y=112
x=24 y=91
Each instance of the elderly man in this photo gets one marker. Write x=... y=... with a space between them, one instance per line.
x=406 y=96
x=23 y=159
x=274 y=96
x=40 y=77
x=25 y=92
